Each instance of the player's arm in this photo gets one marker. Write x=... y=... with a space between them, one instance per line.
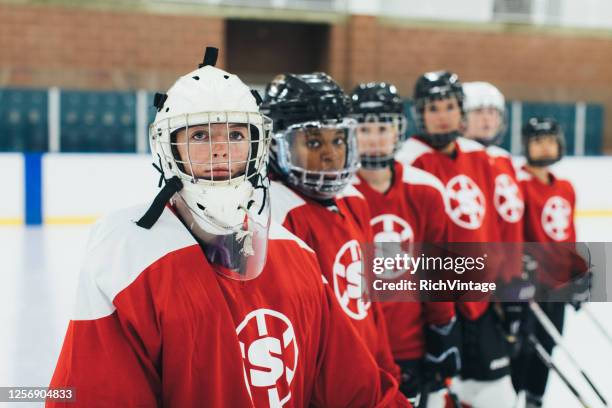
x=384 y=356
x=348 y=376
x=110 y=352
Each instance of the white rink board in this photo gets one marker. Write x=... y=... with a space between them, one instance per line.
x=11 y=168
x=91 y=185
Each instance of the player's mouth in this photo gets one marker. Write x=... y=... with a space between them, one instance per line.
x=219 y=173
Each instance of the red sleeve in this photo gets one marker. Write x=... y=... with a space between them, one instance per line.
x=111 y=360
x=572 y=195
x=384 y=357
x=347 y=375
x=437 y=313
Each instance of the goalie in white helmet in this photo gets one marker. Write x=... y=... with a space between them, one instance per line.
x=208 y=133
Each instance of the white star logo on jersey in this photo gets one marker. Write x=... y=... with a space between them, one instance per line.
x=348 y=281
x=508 y=199
x=556 y=218
x=270 y=355
x=391 y=228
x=467 y=205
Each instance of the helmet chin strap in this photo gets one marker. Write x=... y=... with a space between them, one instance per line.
x=172 y=186
x=372 y=163
x=542 y=162
x=440 y=140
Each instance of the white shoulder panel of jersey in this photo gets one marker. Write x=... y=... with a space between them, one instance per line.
x=350 y=191
x=468 y=145
x=496 y=151
x=278 y=232
x=412 y=150
x=282 y=201
x=413 y=175
x=118 y=251
x=523 y=175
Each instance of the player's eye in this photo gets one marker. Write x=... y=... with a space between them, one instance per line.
x=450 y=106
x=432 y=108
x=364 y=129
x=199 y=136
x=236 y=136
x=313 y=144
x=339 y=141
x=382 y=129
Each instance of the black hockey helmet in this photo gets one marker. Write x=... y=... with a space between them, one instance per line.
x=539 y=127
x=307 y=102
x=376 y=98
x=432 y=86
x=379 y=102
x=299 y=98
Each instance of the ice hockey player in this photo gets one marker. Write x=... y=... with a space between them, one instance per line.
x=462 y=165
x=313 y=158
x=485 y=111
x=407 y=206
x=549 y=218
x=202 y=301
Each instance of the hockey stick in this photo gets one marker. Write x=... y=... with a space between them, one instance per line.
x=597 y=323
x=553 y=332
x=547 y=360
x=425 y=389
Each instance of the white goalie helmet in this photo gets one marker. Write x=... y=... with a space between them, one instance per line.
x=208 y=132
x=478 y=96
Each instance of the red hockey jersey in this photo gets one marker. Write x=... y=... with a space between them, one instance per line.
x=468 y=179
x=549 y=217
x=335 y=234
x=155 y=326
x=409 y=211
x=549 y=209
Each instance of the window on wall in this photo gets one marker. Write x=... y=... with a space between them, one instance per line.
x=527 y=11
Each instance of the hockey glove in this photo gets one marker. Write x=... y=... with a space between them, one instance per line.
x=442 y=356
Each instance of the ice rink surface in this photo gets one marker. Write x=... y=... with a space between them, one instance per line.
x=38 y=274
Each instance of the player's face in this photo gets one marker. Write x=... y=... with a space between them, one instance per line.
x=319 y=149
x=218 y=152
x=543 y=147
x=483 y=123
x=377 y=138
x=442 y=116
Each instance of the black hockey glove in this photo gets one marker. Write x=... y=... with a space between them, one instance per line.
x=578 y=290
x=512 y=316
x=442 y=356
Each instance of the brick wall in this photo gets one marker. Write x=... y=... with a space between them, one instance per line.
x=79 y=48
